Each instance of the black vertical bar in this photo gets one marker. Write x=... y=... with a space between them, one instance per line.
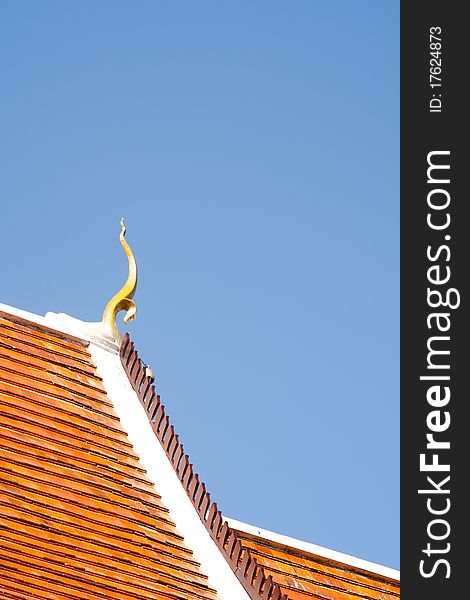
x=434 y=269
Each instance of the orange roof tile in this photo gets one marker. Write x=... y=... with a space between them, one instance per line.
x=303 y=575
x=79 y=518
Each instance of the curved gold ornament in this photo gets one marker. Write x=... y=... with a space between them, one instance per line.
x=123 y=299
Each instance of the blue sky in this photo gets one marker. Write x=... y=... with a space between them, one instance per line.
x=253 y=150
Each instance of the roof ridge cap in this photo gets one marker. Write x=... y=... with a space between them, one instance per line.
x=65 y=324
x=89 y=330
x=251 y=575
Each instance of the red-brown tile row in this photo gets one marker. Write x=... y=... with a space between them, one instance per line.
x=11 y=339
x=45 y=431
x=73 y=425
x=121 y=559
x=42 y=332
x=89 y=496
x=118 y=583
x=71 y=386
x=65 y=407
x=86 y=459
x=25 y=447
x=303 y=575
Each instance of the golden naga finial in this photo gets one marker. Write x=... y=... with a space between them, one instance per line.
x=123 y=299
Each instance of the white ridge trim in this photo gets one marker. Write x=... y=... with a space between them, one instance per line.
x=61 y=322
x=24 y=314
x=160 y=471
x=291 y=542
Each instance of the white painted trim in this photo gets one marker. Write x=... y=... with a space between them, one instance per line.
x=314 y=549
x=90 y=332
x=135 y=422
x=24 y=314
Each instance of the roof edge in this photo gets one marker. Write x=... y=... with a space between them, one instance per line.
x=152 y=456
x=65 y=324
x=244 y=565
x=285 y=540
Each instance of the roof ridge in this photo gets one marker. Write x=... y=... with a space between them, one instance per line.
x=63 y=327
x=251 y=575
x=41 y=327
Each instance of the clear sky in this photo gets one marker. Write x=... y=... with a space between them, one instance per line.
x=253 y=149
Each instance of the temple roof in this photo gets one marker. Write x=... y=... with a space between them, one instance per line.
x=98 y=498
x=79 y=516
